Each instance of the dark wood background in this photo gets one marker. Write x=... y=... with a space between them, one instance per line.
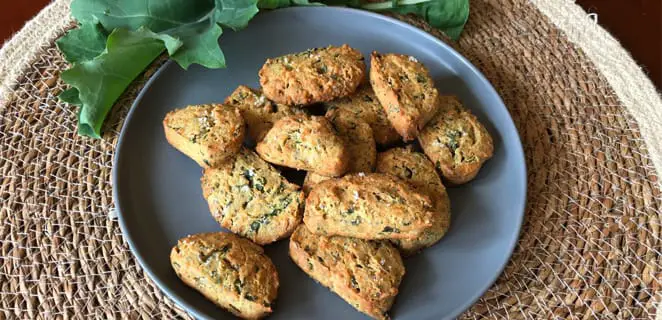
x=636 y=23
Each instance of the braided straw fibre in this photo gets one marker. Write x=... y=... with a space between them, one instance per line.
x=590 y=246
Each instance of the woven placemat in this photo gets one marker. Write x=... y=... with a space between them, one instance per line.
x=590 y=246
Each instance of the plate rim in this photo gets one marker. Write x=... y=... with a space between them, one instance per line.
x=126 y=235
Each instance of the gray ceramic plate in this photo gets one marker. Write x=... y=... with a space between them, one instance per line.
x=157 y=189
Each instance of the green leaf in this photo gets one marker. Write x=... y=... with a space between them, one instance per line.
x=202 y=49
x=306 y=3
x=70 y=96
x=275 y=4
x=172 y=44
x=449 y=16
x=235 y=13
x=194 y=23
x=102 y=80
x=155 y=15
x=345 y=3
x=83 y=43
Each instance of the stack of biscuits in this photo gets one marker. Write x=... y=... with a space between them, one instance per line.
x=368 y=196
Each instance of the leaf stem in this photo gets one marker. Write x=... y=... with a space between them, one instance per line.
x=390 y=4
x=378 y=5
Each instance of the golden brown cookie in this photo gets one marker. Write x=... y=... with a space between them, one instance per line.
x=208 y=134
x=311 y=181
x=364 y=273
x=232 y=272
x=456 y=141
x=418 y=171
x=250 y=197
x=359 y=141
x=405 y=89
x=367 y=206
x=305 y=143
x=316 y=75
x=364 y=105
x=259 y=112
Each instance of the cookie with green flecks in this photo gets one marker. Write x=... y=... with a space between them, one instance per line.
x=259 y=112
x=358 y=140
x=417 y=170
x=209 y=134
x=230 y=271
x=370 y=206
x=305 y=143
x=363 y=104
x=315 y=75
x=405 y=90
x=456 y=142
x=249 y=197
x=364 y=273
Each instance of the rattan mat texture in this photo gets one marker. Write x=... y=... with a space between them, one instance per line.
x=590 y=246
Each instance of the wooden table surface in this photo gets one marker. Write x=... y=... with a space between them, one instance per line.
x=636 y=23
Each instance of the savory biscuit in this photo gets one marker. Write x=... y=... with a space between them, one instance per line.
x=405 y=89
x=311 y=181
x=416 y=169
x=232 y=272
x=305 y=143
x=364 y=273
x=364 y=105
x=359 y=141
x=367 y=206
x=249 y=197
x=259 y=112
x=315 y=75
x=456 y=141
x=208 y=134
